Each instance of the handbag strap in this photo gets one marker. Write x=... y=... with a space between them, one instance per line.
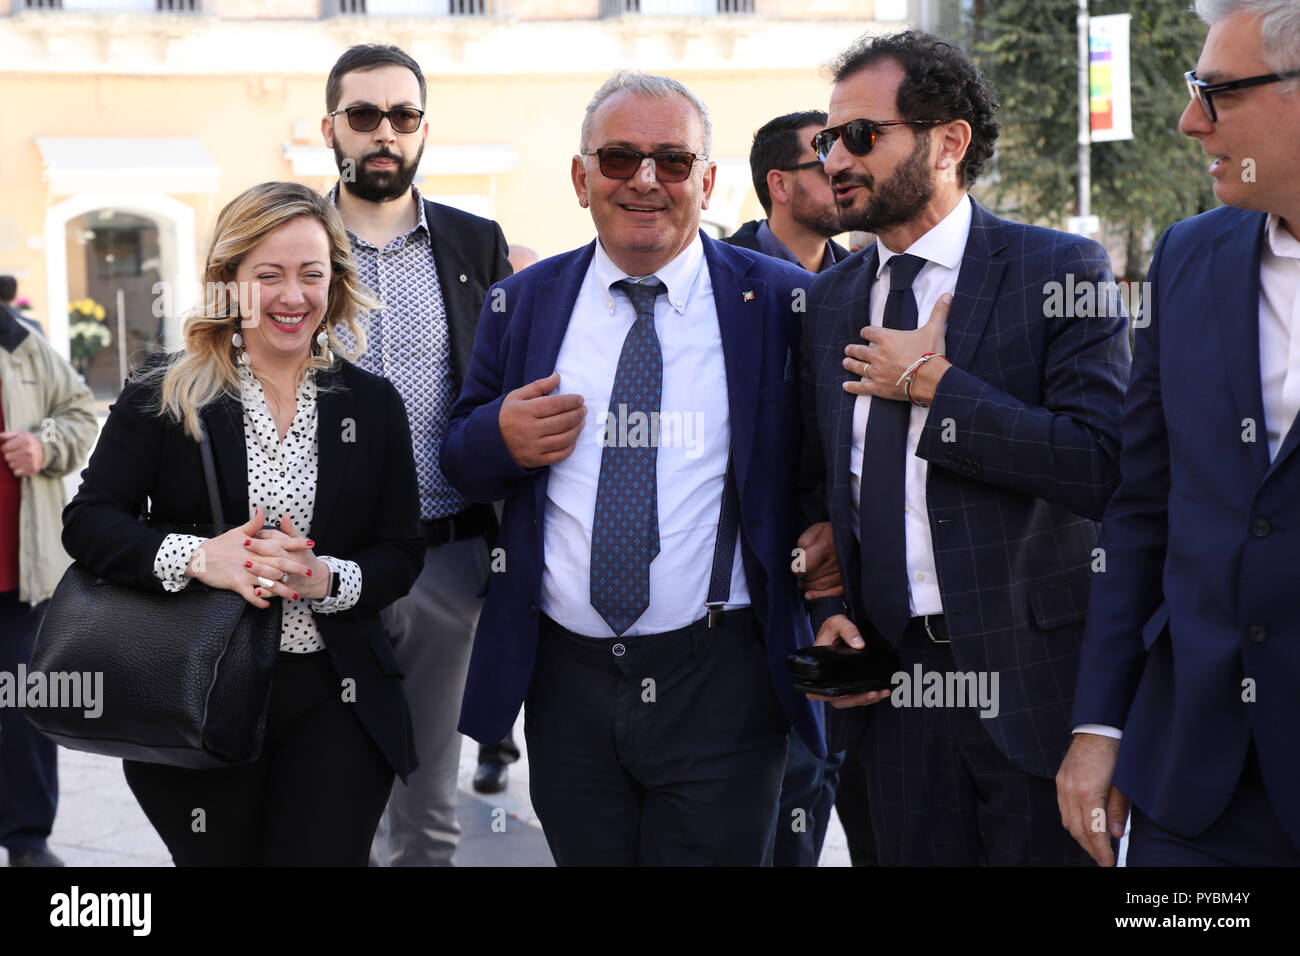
x=210 y=480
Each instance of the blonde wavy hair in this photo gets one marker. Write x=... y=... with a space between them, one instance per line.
x=206 y=370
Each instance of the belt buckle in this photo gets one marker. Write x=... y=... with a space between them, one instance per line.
x=925 y=620
x=715 y=615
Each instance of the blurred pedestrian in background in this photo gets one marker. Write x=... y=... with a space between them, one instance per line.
x=47 y=426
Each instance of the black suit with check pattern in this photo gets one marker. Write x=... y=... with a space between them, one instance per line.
x=1022 y=441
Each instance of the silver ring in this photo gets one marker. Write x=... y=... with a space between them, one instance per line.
x=284 y=578
x=266 y=582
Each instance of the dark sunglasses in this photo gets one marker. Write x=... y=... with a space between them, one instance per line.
x=366 y=119
x=859 y=135
x=811 y=164
x=1204 y=92
x=670 y=165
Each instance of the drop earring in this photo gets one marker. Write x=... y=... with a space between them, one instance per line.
x=323 y=340
x=237 y=340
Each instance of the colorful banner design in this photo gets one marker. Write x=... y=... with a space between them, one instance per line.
x=1110 y=94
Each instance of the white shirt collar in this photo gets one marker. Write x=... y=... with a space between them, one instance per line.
x=681 y=275
x=1280 y=241
x=945 y=243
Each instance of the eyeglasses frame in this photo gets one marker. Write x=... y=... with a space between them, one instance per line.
x=695 y=158
x=817 y=163
x=872 y=125
x=383 y=115
x=1203 y=93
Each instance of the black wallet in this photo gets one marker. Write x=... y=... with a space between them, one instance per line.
x=838 y=671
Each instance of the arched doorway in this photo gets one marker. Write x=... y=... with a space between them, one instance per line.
x=140 y=247
x=114 y=264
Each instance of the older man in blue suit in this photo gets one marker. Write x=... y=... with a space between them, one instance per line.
x=1187 y=700
x=966 y=466
x=635 y=404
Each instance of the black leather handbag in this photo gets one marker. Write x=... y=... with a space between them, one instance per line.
x=185 y=678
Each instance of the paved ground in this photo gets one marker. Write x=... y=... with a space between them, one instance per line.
x=100 y=824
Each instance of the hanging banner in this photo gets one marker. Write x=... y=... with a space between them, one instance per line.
x=1108 y=77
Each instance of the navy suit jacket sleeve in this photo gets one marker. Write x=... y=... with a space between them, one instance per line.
x=474 y=455
x=813 y=507
x=1134 y=539
x=1063 y=446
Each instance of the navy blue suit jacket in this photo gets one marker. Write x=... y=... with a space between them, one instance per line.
x=1201 y=541
x=519 y=335
x=1022 y=440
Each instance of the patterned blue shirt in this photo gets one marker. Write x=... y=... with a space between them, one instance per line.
x=408 y=342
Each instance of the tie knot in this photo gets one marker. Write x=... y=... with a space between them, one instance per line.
x=642 y=294
x=903 y=270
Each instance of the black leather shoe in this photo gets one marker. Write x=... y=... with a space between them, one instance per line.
x=41 y=857
x=491 y=776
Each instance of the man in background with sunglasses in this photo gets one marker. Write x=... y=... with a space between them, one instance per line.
x=794 y=193
x=635 y=404
x=430 y=267
x=1186 y=703
x=966 y=465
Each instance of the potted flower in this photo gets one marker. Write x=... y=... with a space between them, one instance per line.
x=87 y=334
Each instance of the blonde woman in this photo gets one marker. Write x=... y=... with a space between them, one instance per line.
x=317 y=454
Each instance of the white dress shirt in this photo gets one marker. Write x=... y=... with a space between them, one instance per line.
x=691 y=462
x=1279 y=331
x=943 y=248
x=281 y=481
x=1279 y=352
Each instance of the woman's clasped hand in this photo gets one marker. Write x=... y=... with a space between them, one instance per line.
x=258 y=562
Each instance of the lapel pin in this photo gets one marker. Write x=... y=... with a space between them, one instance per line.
x=463 y=277
x=746 y=296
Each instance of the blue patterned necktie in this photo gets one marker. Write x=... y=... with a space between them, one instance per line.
x=884 y=466
x=625 y=530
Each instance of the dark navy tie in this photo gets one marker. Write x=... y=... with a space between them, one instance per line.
x=884 y=464
x=625 y=530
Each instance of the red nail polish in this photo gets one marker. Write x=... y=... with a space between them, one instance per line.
x=309 y=572
x=248 y=564
x=295 y=597
x=247 y=542
x=311 y=543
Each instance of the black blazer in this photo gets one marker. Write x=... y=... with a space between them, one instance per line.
x=471 y=254
x=367 y=510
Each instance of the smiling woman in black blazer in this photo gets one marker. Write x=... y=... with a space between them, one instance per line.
x=317 y=453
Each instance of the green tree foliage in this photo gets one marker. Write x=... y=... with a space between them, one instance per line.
x=1028 y=49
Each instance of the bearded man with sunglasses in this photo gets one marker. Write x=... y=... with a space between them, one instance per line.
x=792 y=189
x=430 y=266
x=635 y=404
x=966 y=462
x=1186 y=697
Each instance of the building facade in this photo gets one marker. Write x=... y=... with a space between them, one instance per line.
x=134 y=121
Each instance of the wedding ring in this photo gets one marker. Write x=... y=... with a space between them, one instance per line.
x=284 y=578
x=266 y=582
